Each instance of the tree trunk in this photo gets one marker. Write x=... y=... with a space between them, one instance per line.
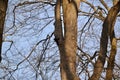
x=59 y=38
x=3 y=8
x=68 y=44
x=108 y=30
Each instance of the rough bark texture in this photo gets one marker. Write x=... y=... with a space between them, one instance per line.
x=70 y=40
x=68 y=44
x=3 y=8
x=108 y=30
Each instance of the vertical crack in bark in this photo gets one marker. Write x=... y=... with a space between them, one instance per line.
x=59 y=38
x=108 y=30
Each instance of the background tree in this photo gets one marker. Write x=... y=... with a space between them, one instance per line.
x=107 y=31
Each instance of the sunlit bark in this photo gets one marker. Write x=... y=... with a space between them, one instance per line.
x=70 y=25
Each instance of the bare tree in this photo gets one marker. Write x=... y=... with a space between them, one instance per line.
x=55 y=39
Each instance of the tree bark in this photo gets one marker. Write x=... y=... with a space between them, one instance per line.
x=68 y=44
x=3 y=9
x=108 y=30
x=59 y=38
